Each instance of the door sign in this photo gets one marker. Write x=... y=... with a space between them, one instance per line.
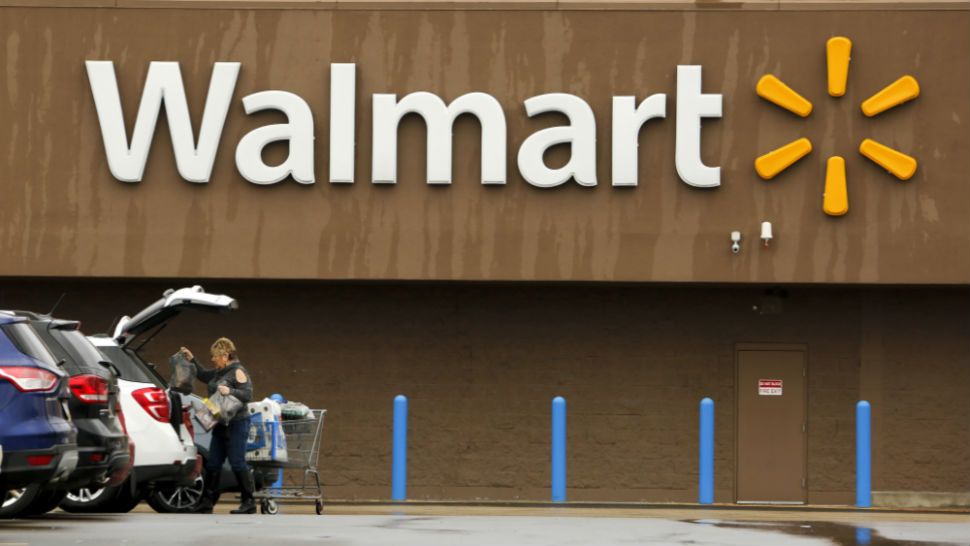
x=769 y=387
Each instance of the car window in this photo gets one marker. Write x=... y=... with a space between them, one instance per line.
x=79 y=348
x=130 y=368
x=28 y=343
x=136 y=356
x=68 y=361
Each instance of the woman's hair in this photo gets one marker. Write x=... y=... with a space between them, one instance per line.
x=224 y=347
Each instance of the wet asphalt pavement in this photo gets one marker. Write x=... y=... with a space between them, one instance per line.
x=483 y=527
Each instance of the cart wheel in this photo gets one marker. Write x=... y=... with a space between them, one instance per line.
x=319 y=507
x=270 y=507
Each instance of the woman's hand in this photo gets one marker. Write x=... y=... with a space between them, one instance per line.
x=223 y=390
x=187 y=353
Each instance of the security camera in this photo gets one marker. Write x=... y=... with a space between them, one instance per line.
x=736 y=242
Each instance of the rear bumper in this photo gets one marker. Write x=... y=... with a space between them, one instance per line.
x=91 y=474
x=17 y=470
x=181 y=473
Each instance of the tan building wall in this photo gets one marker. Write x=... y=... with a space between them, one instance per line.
x=62 y=214
x=481 y=364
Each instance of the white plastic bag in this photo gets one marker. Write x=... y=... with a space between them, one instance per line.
x=223 y=407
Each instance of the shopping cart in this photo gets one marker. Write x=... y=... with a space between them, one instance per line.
x=300 y=479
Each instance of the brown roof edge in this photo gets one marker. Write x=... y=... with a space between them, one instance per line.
x=630 y=5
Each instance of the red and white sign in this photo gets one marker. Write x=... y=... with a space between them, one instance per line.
x=769 y=387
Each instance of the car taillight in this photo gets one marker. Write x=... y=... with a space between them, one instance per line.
x=29 y=379
x=155 y=401
x=89 y=389
x=187 y=421
x=39 y=460
x=197 y=468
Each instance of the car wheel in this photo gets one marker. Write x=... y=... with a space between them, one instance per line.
x=125 y=500
x=44 y=503
x=87 y=499
x=16 y=501
x=177 y=499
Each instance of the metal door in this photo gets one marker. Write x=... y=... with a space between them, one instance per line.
x=771 y=426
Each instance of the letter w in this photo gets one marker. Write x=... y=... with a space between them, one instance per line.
x=163 y=84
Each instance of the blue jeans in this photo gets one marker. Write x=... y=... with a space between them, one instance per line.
x=228 y=441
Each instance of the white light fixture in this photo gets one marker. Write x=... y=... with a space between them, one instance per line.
x=766 y=232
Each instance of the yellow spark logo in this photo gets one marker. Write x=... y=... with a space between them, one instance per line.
x=835 y=200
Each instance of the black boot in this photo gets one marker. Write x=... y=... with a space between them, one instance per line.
x=248 y=504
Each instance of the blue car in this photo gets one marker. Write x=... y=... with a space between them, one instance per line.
x=38 y=438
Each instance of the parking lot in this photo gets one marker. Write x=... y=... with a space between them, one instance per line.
x=472 y=526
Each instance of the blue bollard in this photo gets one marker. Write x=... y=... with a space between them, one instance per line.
x=559 y=449
x=399 y=464
x=706 y=485
x=863 y=455
x=278 y=484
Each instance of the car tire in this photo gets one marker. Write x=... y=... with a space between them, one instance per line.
x=90 y=500
x=16 y=501
x=126 y=499
x=44 y=502
x=177 y=499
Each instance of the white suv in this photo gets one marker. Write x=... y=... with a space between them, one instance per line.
x=157 y=420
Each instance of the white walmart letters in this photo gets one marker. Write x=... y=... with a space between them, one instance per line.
x=163 y=84
x=580 y=134
x=439 y=119
x=195 y=160
x=692 y=105
x=343 y=90
x=628 y=118
x=299 y=133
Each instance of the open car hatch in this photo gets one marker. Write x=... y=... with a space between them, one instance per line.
x=172 y=303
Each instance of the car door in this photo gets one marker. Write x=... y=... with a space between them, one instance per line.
x=168 y=306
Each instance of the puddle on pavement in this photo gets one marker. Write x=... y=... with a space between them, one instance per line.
x=843 y=535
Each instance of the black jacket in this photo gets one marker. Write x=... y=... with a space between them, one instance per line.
x=227 y=376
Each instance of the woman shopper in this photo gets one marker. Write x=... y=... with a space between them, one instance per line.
x=228 y=378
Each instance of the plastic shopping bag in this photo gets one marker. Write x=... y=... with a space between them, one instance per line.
x=257 y=433
x=224 y=407
x=183 y=373
x=295 y=410
x=266 y=441
x=205 y=417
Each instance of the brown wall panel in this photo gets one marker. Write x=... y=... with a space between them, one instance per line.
x=62 y=214
x=920 y=383
x=481 y=364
